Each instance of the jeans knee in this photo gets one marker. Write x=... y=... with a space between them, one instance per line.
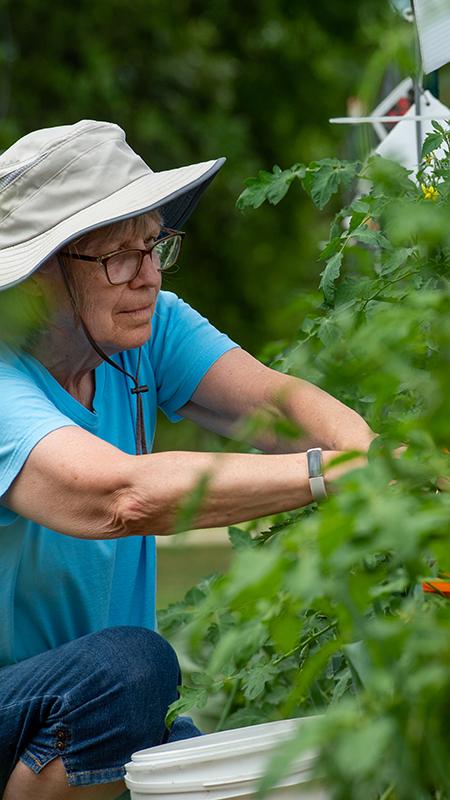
x=148 y=674
x=128 y=676
x=131 y=660
x=143 y=660
x=150 y=657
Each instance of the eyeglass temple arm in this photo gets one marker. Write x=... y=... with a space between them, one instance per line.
x=173 y=230
x=78 y=257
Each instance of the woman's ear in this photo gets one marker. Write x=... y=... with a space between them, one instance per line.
x=49 y=267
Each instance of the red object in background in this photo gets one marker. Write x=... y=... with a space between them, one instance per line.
x=401 y=107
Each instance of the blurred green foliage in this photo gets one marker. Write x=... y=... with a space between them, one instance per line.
x=189 y=81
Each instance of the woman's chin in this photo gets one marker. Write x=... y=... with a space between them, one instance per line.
x=129 y=339
x=138 y=337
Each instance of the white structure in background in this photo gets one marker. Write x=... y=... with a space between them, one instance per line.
x=398 y=131
x=404 y=142
x=396 y=103
x=407 y=125
x=400 y=144
x=433 y=28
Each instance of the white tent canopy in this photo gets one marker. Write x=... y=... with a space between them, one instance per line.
x=433 y=27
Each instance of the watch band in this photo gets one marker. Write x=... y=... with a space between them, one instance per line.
x=315 y=472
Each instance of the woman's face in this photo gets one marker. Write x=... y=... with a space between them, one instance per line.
x=117 y=317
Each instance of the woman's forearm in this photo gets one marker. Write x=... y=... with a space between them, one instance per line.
x=323 y=420
x=238 y=487
x=242 y=399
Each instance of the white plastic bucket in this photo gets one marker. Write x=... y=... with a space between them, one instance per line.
x=221 y=766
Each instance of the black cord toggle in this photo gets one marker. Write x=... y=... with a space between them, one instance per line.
x=139 y=389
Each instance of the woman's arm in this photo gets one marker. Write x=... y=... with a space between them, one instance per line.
x=79 y=485
x=238 y=386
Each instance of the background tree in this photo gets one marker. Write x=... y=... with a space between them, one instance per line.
x=190 y=81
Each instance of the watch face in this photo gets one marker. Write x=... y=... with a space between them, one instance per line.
x=314 y=458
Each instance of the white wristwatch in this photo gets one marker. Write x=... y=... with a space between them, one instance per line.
x=315 y=472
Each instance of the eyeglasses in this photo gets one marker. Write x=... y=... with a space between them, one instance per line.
x=122 y=266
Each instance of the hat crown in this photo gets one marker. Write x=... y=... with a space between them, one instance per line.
x=38 y=144
x=52 y=174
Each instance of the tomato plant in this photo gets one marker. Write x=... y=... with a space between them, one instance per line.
x=323 y=612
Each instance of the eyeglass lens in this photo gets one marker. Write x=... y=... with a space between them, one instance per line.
x=123 y=267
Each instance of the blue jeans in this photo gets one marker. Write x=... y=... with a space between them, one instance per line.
x=92 y=702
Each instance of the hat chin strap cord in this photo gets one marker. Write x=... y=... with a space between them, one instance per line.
x=138 y=390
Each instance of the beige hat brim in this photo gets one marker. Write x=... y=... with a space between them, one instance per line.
x=175 y=191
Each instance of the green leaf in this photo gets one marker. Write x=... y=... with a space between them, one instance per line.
x=438 y=127
x=191 y=697
x=194 y=596
x=329 y=276
x=328 y=331
x=408 y=221
x=372 y=238
x=331 y=248
x=172 y=617
x=362 y=749
x=324 y=178
x=255 y=679
x=356 y=654
x=344 y=458
x=315 y=664
x=268 y=186
x=252 y=571
x=191 y=505
x=357 y=218
x=343 y=685
x=395 y=259
x=363 y=205
x=229 y=646
x=256 y=192
x=389 y=178
x=240 y=540
x=285 y=631
x=308 y=325
x=431 y=143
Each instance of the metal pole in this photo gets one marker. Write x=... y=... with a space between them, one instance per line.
x=417 y=102
x=418 y=88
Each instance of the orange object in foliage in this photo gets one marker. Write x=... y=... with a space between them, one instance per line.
x=438 y=585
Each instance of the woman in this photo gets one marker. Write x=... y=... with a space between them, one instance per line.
x=88 y=229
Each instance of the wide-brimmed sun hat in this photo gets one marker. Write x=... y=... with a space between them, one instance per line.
x=59 y=183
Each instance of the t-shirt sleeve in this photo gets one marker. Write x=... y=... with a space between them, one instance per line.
x=26 y=416
x=184 y=346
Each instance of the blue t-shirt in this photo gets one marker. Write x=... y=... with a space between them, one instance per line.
x=55 y=588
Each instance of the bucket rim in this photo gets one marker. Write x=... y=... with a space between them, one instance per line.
x=202 y=745
x=208 y=757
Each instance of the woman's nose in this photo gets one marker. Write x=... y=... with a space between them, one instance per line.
x=149 y=273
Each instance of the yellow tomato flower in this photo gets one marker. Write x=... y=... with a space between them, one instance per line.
x=429 y=192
